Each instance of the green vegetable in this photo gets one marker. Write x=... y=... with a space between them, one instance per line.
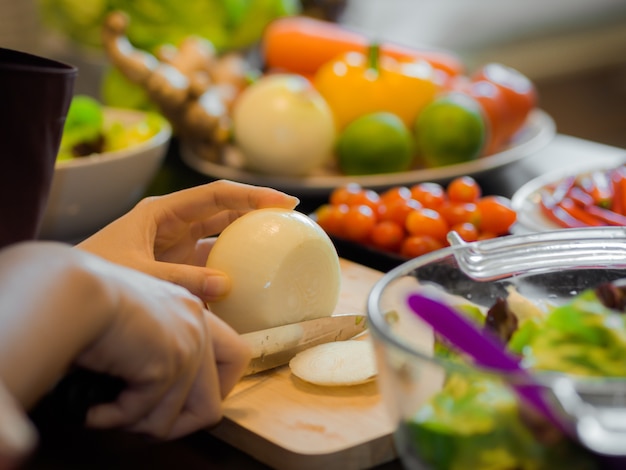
x=474 y=422
x=86 y=131
x=582 y=337
x=229 y=24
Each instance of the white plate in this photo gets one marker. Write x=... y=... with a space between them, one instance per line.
x=537 y=133
x=526 y=199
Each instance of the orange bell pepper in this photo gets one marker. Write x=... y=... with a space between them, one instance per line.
x=355 y=84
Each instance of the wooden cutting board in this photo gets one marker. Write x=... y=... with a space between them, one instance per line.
x=289 y=424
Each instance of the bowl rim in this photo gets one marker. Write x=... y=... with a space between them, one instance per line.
x=160 y=138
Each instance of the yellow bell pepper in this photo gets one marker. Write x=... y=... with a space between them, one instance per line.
x=356 y=84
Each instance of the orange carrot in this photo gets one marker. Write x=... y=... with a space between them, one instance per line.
x=302 y=44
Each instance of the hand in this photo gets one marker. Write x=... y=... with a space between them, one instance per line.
x=17 y=434
x=61 y=306
x=179 y=360
x=168 y=236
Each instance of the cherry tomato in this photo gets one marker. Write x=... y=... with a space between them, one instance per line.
x=460 y=212
x=330 y=218
x=419 y=245
x=519 y=93
x=354 y=195
x=430 y=195
x=397 y=210
x=427 y=222
x=358 y=223
x=387 y=235
x=468 y=232
x=464 y=189
x=496 y=214
x=397 y=192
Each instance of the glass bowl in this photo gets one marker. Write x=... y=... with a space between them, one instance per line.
x=452 y=414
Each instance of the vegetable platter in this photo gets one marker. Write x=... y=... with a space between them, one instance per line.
x=288 y=423
x=590 y=195
x=538 y=132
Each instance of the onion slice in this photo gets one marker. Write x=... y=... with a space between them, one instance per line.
x=339 y=363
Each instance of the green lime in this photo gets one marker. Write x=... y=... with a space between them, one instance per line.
x=375 y=143
x=450 y=130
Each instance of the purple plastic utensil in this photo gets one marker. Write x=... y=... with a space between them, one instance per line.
x=486 y=351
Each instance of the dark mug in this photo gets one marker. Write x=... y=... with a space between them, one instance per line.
x=35 y=94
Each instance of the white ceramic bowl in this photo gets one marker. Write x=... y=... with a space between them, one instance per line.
x=89 y=192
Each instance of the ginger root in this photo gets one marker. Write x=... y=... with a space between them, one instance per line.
x=193 y=87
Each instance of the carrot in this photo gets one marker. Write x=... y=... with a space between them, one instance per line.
x=302 y=44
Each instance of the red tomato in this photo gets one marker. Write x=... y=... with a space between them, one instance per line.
x=430 y=195
x=419 y=245
x=519 y=92
x=498 y=115
x=354 y=195
x=358 y=222
x=427 y=222
x=460 y=212
x=395 y=193
x=468 y=232
x=330 y=218
x=387 y=235
x=463 y=189
x=496 y=214
x=397 y=210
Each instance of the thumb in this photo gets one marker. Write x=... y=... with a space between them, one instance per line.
x=208 y=284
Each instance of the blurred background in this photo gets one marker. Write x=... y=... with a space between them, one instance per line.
x=574 y=50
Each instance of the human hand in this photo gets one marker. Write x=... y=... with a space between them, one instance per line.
x=17 y=434
x=168 y=236
x=178 y=359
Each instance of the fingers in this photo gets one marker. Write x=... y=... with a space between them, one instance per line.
x=225 y=363
x=17 y=435
x=232 y=353
x=207 y=284
x=207 y=200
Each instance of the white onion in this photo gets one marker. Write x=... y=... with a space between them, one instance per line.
x=283 y=269
x=339 y=363
x=283 y=126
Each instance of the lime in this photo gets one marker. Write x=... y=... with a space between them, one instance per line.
x=449 y=130
x=375 y=143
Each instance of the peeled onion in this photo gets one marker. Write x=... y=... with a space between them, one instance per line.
x=283 y=269
x=283 y=126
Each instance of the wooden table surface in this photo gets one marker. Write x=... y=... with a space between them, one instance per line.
x=63 y=446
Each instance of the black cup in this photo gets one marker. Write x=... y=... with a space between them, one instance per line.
x=35 y=94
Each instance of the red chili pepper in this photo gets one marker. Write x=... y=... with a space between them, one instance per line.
x=581 y=213
x=618 y=182
x=580 y=197
x=561 y=189
x=557 y=214
x=597 y=184
x=607 y=216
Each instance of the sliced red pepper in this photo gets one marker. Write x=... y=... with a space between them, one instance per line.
x=561 y=189
x=598 y=185
x=580 y=197
x=558 y=215
x=607 y=216
x=618 y=182
x=581 y=213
